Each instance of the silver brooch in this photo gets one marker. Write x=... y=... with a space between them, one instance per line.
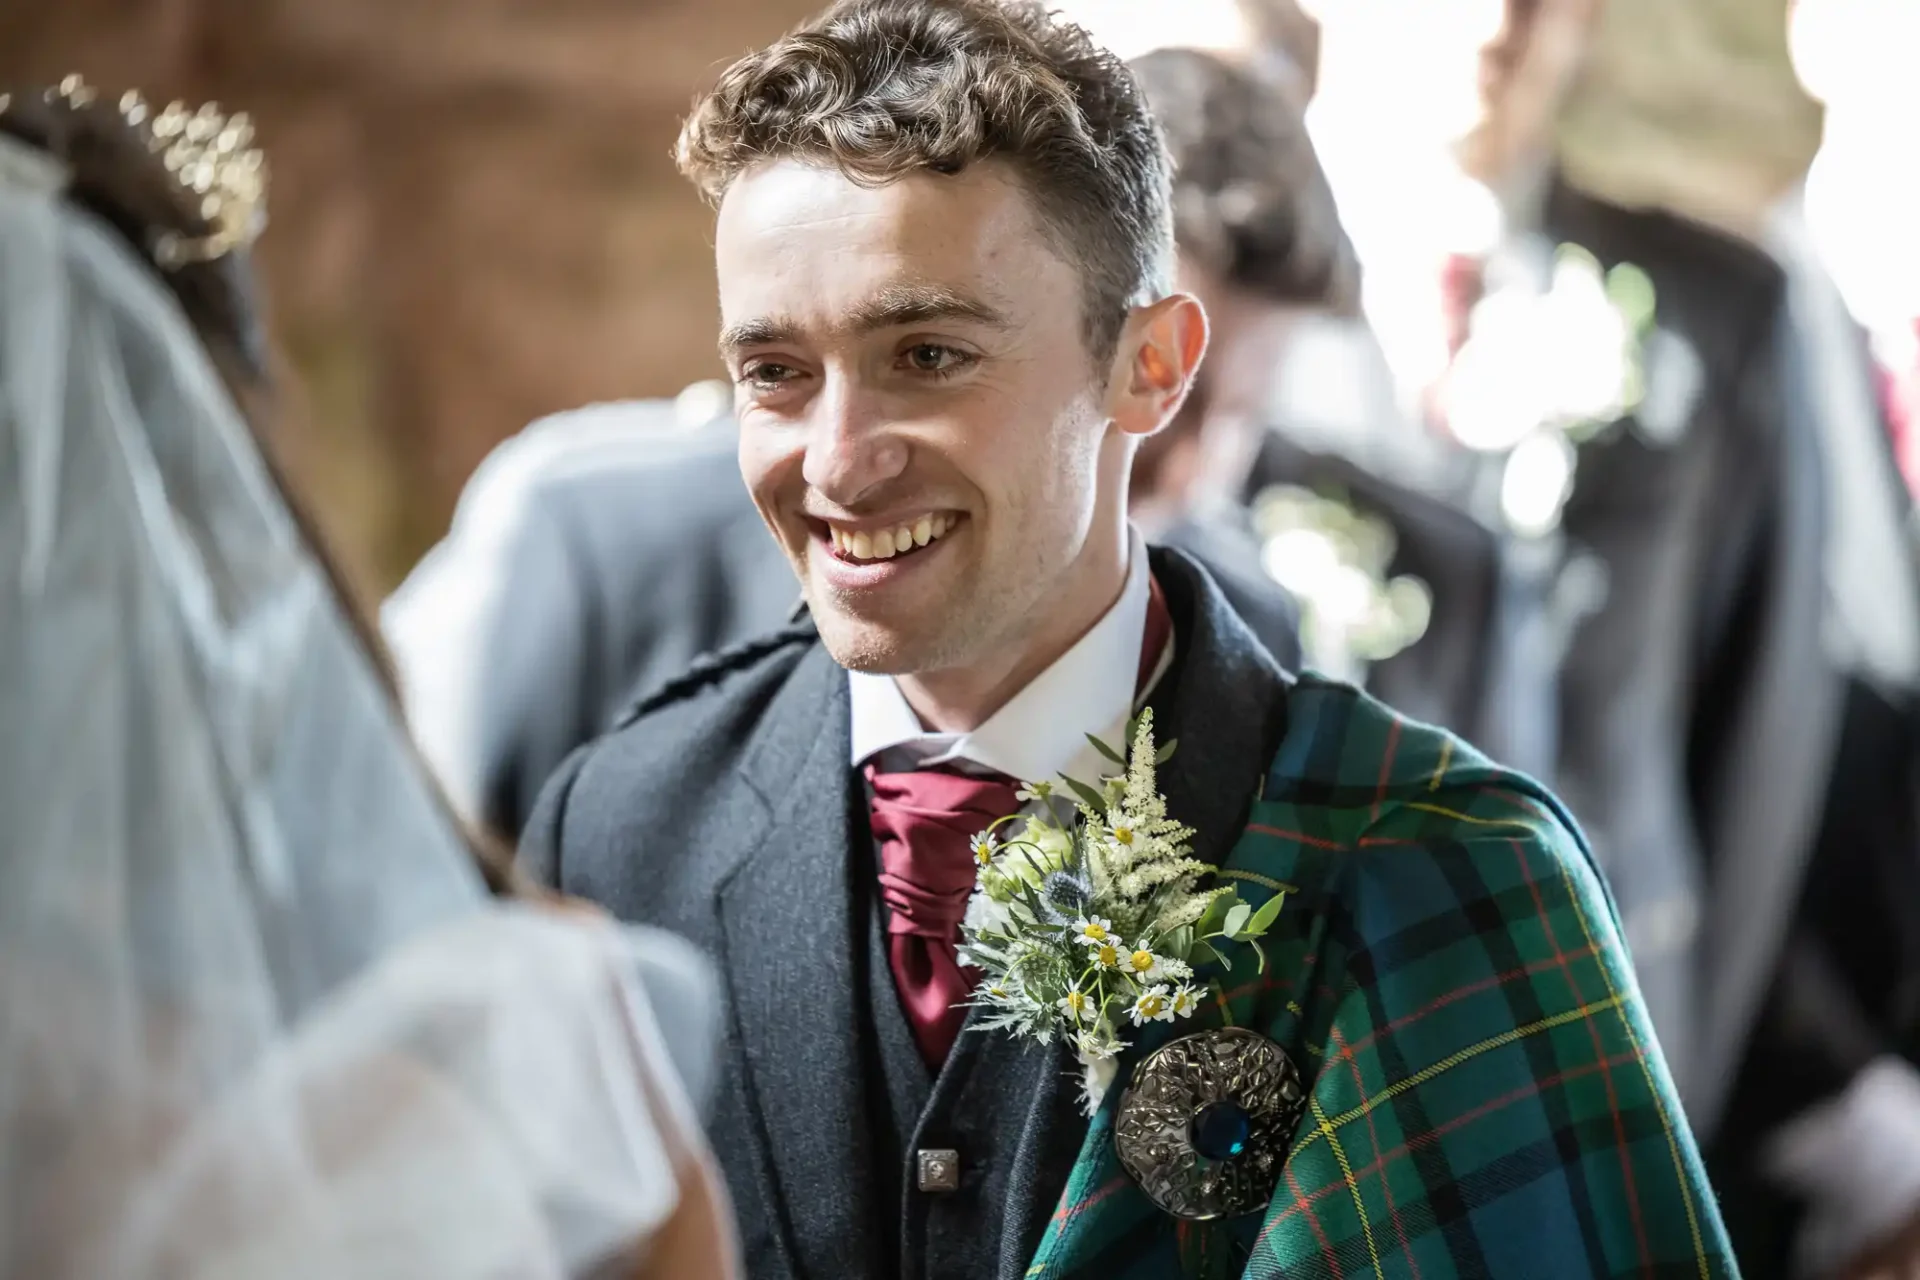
x=1204 y=1125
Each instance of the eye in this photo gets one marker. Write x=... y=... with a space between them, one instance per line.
x=936 y=359
x=767 y=375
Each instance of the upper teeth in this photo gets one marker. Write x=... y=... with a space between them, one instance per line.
x=886 y=543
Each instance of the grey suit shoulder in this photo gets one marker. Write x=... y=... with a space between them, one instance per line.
x=687 y=736
x=711 y=670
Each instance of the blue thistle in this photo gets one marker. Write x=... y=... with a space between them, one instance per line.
x=1064 y=897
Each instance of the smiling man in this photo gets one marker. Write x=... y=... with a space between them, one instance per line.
x=943 y=249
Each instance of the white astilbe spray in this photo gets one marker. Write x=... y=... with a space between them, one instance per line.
x=1079 y=926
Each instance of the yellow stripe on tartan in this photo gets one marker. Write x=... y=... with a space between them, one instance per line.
x=1440 y=770
x=1254 y=877
x=1447 y=1064
x=1653 y=1090
x=1353 y=1187
x=1470 y=819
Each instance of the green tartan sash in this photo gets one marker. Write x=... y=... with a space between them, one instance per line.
x=1485 y=1097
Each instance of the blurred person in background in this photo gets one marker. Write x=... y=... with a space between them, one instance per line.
x=1644 y=376
x=1850 y=1171
x=1861 y=204
x=592 y=557
x=1294 y=427
x=258 y=1012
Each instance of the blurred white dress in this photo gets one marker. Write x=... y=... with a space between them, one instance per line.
x=258 y=1016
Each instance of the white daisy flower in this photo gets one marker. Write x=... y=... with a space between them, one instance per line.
x=1152 y=1006
x=1106 y=955
x=1096 y=931
x=1076 y=1006
x=1185 y=1000
x=1034 y=792
x=984 y=846
x=1143 y=964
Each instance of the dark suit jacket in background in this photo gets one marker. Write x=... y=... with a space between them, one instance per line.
x=591 y=560
x=1713 y=741
x=1696 y=710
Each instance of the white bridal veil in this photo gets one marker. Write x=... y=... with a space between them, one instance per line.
x=258 y=1016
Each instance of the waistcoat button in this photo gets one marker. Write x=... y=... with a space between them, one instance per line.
x=939 y=1169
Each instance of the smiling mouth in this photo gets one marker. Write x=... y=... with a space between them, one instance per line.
x=869 y=546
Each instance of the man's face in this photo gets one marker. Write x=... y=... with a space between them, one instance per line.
x=921 y=424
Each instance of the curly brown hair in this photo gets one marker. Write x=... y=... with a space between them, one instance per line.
x=884 y=88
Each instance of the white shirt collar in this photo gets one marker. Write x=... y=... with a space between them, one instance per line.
x=1041 y=731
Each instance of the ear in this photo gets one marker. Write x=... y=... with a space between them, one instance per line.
x=1160 y=351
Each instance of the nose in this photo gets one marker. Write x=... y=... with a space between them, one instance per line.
x=852 y=449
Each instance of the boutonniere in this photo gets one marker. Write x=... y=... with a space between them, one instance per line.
x=1548 y=365
x=1089 y=917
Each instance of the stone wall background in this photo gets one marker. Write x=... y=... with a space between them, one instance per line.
x=475 y=218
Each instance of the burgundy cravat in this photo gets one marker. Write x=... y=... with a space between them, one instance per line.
x=924 y=823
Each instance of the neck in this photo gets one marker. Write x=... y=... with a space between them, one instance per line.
x=960 y=699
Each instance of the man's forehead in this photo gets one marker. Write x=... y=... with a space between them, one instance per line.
x=796 y=198
x=804 y=248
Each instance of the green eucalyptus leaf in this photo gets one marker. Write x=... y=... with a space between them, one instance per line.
x=1107 y=751
x=1213 y=954
x=1263 y=918
x=1178 y=942
x=1165 y=753
x=1216 y=914
x=1087 y=795
x=1237 y=919
x=1260 y=951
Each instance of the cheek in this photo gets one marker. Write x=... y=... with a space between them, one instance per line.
x=1044 y=481
x=770 y=463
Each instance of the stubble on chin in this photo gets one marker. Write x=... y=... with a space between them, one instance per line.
x=877 y=648
x=936 y=638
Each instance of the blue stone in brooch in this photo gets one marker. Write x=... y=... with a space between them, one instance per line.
x=1203 y=1127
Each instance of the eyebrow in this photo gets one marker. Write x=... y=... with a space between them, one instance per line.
x=890 y=308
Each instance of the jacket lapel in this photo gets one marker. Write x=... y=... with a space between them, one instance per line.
x=790 y=948
x=1219 y=667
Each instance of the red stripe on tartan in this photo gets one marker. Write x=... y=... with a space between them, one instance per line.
x=1273 y=979
x=1386 y=768
x=1373 y=1140
x=1303 y=1202
x=1441 y=1002
x=1067 y=1213
x=1301 y=836
x=1599 y=1051
x=1313 y=1220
